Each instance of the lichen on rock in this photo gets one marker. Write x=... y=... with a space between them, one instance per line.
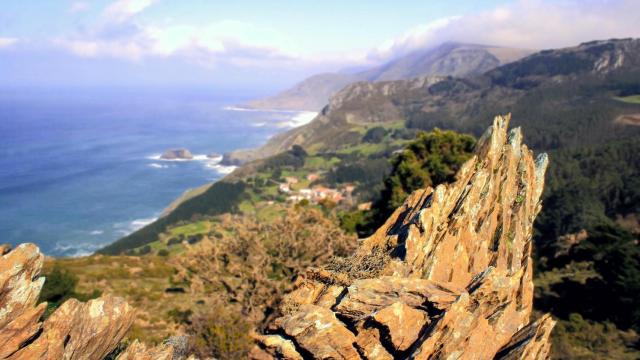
x=456 y=282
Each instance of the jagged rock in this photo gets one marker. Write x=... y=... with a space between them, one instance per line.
x=318 y=331
x=530 y=343
x=177 y=154
x=403 y=324
x=75 y=330
x=138 y=351
x=453 y=273
x=275 y=346
x=366 y=296
x=369 y=343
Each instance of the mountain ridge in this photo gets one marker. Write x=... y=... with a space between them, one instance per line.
x=447 y=59
x=557 y=109
x=452 y=103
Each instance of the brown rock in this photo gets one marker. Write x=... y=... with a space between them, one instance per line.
x=275 y=346
x=319 y=332
x=369 y=342
x=448 y=276
x=138 y=351
x=75 y=330
x=403 y=324
x=530 y=342
x=366 y=296
x=177 y=154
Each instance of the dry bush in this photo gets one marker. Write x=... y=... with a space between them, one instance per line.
x=249 y=268
x=219 y=333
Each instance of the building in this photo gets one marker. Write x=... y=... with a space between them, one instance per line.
x=284 y=188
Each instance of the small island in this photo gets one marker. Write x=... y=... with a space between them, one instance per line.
x=177 y=154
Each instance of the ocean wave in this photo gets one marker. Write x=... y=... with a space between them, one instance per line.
x=158 y=166
x=78 y=249
x=128 y=227
x=140 y=223
x=215 y=159
x=240 y=108
x=158 y=157
x=196 y=157
x=301 y=118
x=206 y=160
x=222 y=169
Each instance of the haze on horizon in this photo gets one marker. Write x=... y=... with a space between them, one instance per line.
x=252 y=44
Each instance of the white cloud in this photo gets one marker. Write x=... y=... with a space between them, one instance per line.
x=78 y=6
x=523 y=24
x=535 y=24
x=123 y=10
x=119 y=35
x=7 y=41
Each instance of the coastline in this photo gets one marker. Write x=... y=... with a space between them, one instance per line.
x=298 y=118
x=241 y=156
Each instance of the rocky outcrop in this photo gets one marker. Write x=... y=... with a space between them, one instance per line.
x=177 y=154
x=448 y=276
x=75 y=330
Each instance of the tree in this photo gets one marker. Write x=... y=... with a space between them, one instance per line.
x=431 y=159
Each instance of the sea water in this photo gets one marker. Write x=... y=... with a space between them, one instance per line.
x=80 y=168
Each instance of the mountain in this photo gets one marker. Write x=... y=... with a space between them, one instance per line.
x=310 y=94
x=448 y=59
x=564 y=97
x=454 y=59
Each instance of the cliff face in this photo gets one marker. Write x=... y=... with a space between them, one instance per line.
x=449 y=275
x=75 y=330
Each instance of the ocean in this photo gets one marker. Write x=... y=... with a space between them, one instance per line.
x=80 y=168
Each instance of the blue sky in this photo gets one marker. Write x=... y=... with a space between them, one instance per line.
x=271 y=43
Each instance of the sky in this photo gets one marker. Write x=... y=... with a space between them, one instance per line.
x=271 y=44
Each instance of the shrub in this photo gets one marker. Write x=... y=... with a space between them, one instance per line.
x=375 y=135
x=58 y=286
x=220 y=333
x=431 y=159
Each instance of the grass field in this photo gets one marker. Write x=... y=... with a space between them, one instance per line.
x=115 y=275
x=633 y=99
x=196 y=228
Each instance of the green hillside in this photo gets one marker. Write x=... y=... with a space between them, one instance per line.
x=563 y=99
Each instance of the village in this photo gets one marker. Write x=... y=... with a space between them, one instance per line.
x=317 y=193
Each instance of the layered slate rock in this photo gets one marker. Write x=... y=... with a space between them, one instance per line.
x=448 y=276
x=75 y=330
